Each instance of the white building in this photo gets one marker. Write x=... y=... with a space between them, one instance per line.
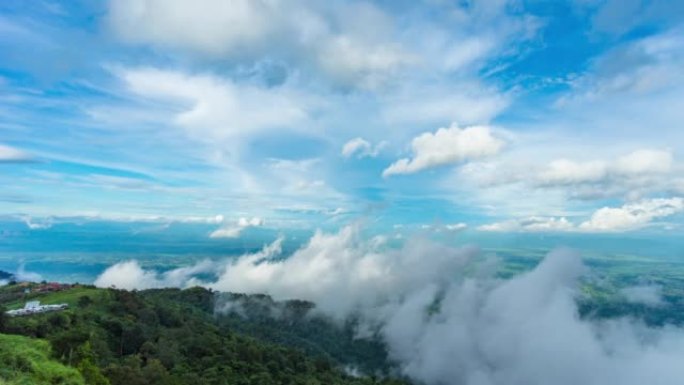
x=34 y=307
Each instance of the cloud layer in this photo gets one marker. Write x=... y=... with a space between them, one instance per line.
x=444 y=326
x=629 y=217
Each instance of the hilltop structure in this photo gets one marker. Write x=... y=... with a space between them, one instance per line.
x=34 y=307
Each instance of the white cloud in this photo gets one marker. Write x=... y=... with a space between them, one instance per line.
x=38 y=223
x=645 y=161
x=10 y=154
x=564 y=171
x=24 y=275
x=637 y=174
x=44 y=222
x=649 y=295
x=638 y=163
x=130 y=275
x=497 y=333
x=208 y=26
x=443 y=326
x=235 y=230
x=355 y=145
x=450 y=227
x=351 y=43
x=472 y=103
x=213 y=109
x=531 y=224
x=250 y=222
x=227 y=232
x=353 y=62
x=362 y=148
x=456 y=226
x=633 y=215
x=642 y=67
x=447 y=146
x=341 y=273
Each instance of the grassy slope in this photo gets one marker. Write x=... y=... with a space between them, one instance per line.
x=69 y=297
x=26 y=361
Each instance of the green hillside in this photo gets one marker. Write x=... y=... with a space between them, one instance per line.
x=172 y=336
x=27 y=361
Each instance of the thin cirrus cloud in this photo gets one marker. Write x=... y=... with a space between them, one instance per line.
x=211 y=108
x=446 y=146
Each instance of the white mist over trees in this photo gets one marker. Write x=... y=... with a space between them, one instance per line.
x=444 y=315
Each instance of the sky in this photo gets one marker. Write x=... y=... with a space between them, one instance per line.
x=495 y=116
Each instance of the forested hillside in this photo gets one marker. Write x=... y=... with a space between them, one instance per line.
x=172 y=336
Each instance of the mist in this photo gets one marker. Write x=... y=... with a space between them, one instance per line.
x=443 y=313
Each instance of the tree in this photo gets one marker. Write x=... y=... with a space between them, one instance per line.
x=90 y=372
x=3 y=318
x=84 y=301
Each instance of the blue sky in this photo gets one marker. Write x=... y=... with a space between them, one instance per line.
x=494 y=116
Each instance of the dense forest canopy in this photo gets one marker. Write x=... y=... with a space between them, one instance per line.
x=172 y=336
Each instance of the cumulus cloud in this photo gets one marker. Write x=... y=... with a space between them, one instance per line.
x=130 y=275
x=447 y=146
x=12 y=155
x=361 y=148
x=332 y=264
x=445 y=327
x=235 y=230
x=634 y=175
x=631 y=216
x=493 y=333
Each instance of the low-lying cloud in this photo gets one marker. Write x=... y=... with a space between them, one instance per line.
x=443 y=325
x=628 y=217
x=234 y=231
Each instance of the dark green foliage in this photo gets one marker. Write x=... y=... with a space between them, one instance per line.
x=4 y=318
x=295 y=323
x=172 y=337
x=84 y=301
